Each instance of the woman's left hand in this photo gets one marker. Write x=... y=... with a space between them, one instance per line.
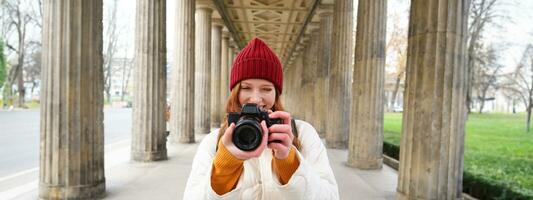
x=280 y=135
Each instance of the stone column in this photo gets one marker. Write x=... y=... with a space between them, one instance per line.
x=340 y=92
x=182 y=106
x=149 y=101
x=310 y=77
x=224 y=73
x=230 y=64
x=295 y=103
x=231 y=57
x=72 y=128
x=366 y=123
x=202 y=86
x=216 y=108
x=324 y=61
x=431 y=154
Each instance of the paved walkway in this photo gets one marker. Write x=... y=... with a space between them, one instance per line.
x=166 y=179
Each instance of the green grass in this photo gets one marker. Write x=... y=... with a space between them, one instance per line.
x=496 y=147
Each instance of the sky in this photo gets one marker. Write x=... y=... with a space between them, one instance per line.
x=514 y=33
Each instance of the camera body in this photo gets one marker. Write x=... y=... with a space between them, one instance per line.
x=248 y=133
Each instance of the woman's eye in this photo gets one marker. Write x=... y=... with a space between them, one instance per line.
x=267 y=89
x=245 y=88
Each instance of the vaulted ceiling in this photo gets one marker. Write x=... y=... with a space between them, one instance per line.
x=282 y=24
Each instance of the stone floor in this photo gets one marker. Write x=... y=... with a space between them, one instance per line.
x=166 y=179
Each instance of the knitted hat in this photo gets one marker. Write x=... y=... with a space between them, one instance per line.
x=256 y=60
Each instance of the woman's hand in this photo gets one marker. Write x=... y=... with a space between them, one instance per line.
x=280 y=137
x=238 y=153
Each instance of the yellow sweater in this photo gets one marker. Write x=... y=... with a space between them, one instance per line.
x=227 y=169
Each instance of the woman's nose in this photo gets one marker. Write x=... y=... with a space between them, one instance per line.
x=255 y=98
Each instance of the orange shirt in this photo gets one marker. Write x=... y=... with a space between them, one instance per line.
x=227 y=169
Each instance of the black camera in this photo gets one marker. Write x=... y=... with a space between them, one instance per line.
x=248 y=133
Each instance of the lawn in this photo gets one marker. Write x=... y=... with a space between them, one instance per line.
x=496 y=147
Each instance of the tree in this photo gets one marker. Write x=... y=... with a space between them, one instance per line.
x=3 y=64
x=482 y=13
x=17 y=20
x=521 y=82
x=487 y=70
x=33 y=69
x=110 y=43
x=397 y=47
x=127 y=67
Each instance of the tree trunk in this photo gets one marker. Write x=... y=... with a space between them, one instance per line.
x=126 y=72
x=122 y=96
x=108 y=94
x=482 y=98
x=469 y=81
x=481 y=106
x=21 y=91
x=7 y=94
x=528 y=120
x=395 y=92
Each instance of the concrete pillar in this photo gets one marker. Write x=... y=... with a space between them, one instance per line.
x=340 y=83
x=288 y=90
x=296 y=103
x=202 y=86
x=231 y=56
x=230 y=64
x=149 y=100
x=366 y=124
x=324 y=61
x=432 y=143
x=182 y=106
x=72 y=129
x=224 y=72
x=310 y=77
x=216 y=106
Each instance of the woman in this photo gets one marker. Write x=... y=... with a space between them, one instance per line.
x=295 y=166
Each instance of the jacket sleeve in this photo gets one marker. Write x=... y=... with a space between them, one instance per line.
x=314 y=178
x=199 y=181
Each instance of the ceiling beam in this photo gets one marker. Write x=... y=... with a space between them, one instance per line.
x=308 y=19
x=227 y=21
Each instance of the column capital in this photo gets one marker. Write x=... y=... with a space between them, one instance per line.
x=325 y=9
x=204 y=5
x=217 y=22
x=225 y=34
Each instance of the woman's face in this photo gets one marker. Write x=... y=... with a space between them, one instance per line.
x=258 y=91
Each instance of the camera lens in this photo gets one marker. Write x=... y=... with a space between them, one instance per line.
x=247 y=135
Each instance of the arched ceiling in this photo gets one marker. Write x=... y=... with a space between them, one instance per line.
x=282 y=24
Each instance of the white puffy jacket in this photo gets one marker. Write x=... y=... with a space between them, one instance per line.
x=313 y=179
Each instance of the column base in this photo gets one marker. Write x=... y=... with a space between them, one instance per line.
x=402 y=196
x=336 y=144
x=181 y=139
x=148 y=156
x=215 y=125
x=203 y=130
x=186 y=140
x=365 y=164
x=95 y=191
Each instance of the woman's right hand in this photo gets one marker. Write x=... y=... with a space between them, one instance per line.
x=240 y=154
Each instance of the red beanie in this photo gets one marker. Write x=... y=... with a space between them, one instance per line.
x=256 y=60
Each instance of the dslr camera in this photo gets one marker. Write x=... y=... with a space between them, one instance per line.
x=248 y=133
